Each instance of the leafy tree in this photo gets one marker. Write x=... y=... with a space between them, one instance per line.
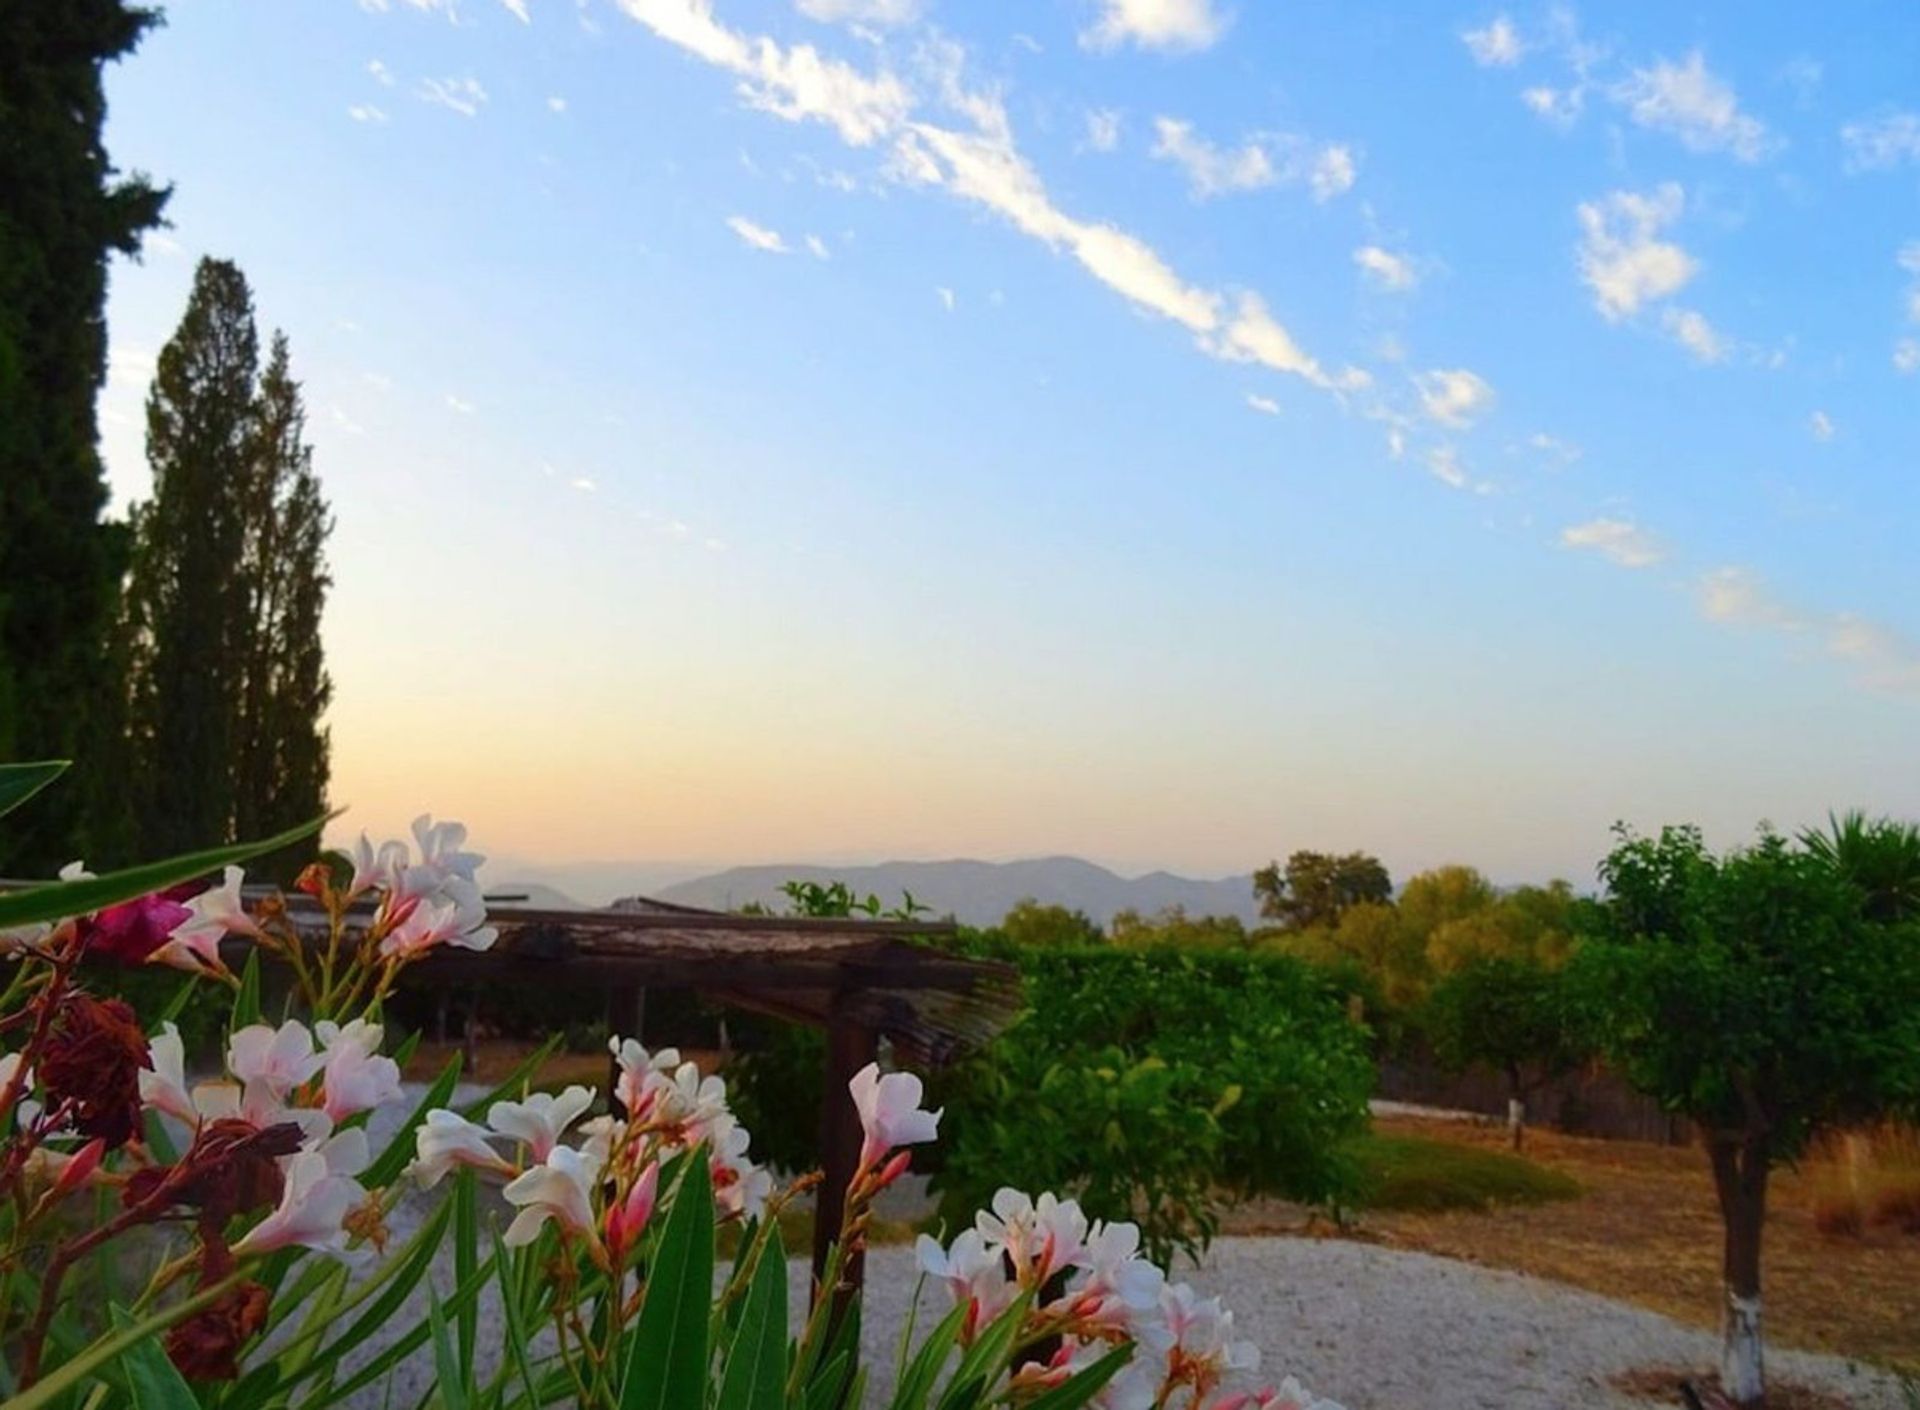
x=1031 y=923
x=1173 y=927
x=1530 y=923
x=62 y=216
x=220 y=626
x=1879 y=856
x=1754 y=993
x=1508 y=1013
x=1317 y=887
x=1369 y=939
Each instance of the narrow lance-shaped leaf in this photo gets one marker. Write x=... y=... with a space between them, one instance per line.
x=756 y=1372
x=19 y=782
x=666 y=1363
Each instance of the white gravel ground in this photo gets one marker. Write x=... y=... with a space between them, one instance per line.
x=1370 y=1327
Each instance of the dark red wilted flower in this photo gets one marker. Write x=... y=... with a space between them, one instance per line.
x=94 y=1054
x=232 y=1168
x=133 y=930
x=206 y=1347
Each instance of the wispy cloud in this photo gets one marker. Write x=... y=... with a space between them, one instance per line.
x=1621 y=257
x=1495 y=45
x=518 y=9
x=1691 y=330
x=464 y=96
x=756 y=236
x=380 y=73
x=1619 y=541
x=1103 y=129
x=1266 y=406
x=1906 y=356
x=1882 y=657
x=1454 y=396
x=367 y=112
x=1260 y=161
x=1385 y=269
x=818 y=248
x=945 y=295
x=980 y=162
x=583 y=484
x=886 y=13
x=556 y=104
x=1155 y=24
x=1820 y=426
x=459 y=404
x=1882 y=142
x=1690 y=102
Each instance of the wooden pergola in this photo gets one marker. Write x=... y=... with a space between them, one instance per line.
x=860 y=980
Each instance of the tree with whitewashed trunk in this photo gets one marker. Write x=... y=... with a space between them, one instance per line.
x=1756 y=993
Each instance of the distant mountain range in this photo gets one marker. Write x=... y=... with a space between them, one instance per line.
x=980 y=893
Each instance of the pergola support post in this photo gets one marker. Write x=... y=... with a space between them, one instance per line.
x=851 y=1045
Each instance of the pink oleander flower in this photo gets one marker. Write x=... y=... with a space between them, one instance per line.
x=1192 y=1337
x=1115 y=1284
x=220 y=906
x=540 y=1119
x=974 y=1275
x=560 y=1188
x=315 y=1201
x=133 y=931
x=357 y=1077
x=1039 y=1237
x=641 y=1075
x=376 y=869
x=627 y=1220
x=277 y=1059
x=164 y=1088
x=739 y=1186
x=445 y=1140
x=890 y=1113
x=454 y=914
x=442 y=859
x=1288 y=1395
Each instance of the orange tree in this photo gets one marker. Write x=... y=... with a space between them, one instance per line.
x=1755 y=993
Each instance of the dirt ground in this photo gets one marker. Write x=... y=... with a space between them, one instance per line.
x=1646 y=1229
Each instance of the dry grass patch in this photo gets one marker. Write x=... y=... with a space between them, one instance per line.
x=1646 y=1229
x=1663 y=1385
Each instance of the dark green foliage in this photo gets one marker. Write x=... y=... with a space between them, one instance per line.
x=1149 y=1082
x=1031 y=923
x=1431 y=1177
x=1317 y=887
x=1506 y=1012
x=63 y=213
x=1751 y=992
x=1879 y=857
x=220 y=624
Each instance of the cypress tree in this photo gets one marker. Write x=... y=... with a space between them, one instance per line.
x=63 y=213
x=226 y=677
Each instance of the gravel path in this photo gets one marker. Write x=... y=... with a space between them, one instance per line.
x=1374 y=1328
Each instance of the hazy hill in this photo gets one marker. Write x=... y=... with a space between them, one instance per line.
x=980 y=893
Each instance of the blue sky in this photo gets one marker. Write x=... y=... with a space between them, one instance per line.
x=1167 y=431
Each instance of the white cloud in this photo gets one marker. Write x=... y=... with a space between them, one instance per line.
x=818 y=247
x=1619 y=541
x=464 y=96
x=459 y=404
x=1821 y=426
x=1908 y=258
x=1687 y=100
x=1266 y=406
x=1264 y=159
x=1154 y=24
x=1210 y=170
x=381 y=74
x=1621 y=259
x=878 y=12
x=556 y=104
x=344 y=423
x=583 y=484
x=1690 y=328
x=1443 y=462
x=1497 y=45
x=945 y=295
x=518 y=9
x=1454 y=397
x=1385 y=269
x=1566 y=452
x=1103 y=129
x=1882 y=657
x=367 y=112
x=756 y=236
x=982 y=164
x=1559 y=106
x=161 y=243
x=379 y=381
x=1906 y=356
x=1333 y=172
x=1878 y=143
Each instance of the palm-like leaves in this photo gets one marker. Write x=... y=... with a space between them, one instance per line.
x=1880 y=857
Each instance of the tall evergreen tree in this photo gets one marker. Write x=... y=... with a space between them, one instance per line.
x=226 y=679
x=62 y=215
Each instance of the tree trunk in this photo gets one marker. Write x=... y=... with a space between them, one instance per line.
x=1516 y=1108
x=1740 y=1180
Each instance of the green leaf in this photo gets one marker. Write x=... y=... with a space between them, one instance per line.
x=756 y=1373
x=667 y=1364
x=513 y=1319
x=77 y=1368
x=986 y=1358
x=453 y=1379
x=466 y=1254
x=60 y=899
x=916 y=1382
x=1085 y=1384
x=246 y=999
x=19 y=782
x=153 y=1382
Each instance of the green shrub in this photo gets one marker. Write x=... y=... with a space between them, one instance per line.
x=1431 y=1177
